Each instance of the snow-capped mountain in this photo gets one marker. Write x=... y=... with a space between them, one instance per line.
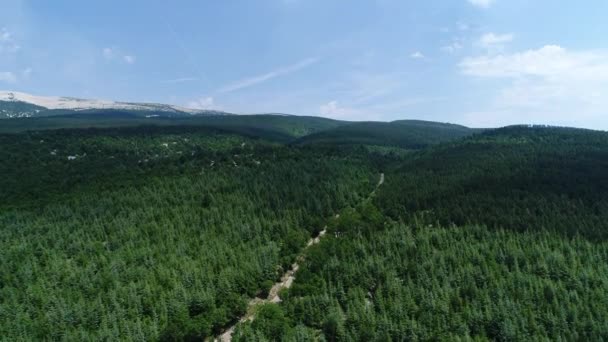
x=17 y=104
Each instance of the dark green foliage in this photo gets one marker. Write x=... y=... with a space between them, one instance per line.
x=272 y=324
x=386 y=281
x=497 y=270
x=156 y=233
x=518 y=178
x=270 y=320
x=409 y=134
x=166 y=233
x=18 y=109
x=276 y=127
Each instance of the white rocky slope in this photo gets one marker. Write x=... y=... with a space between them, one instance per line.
x=70 y=103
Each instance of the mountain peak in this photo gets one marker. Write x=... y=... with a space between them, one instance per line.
x=17 y=104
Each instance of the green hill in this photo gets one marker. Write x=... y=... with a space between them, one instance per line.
x=308 y=130
x=516 y=177
x=409 y=134
x=154 y=233
x=18 y=109
x=166 y=229
x=500 y=236
x=276 y=127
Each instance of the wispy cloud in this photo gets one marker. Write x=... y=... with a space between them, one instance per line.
x=551 y=84
x=365 y=88
x=116 y=54
x=492 y=41
x=26 y=73
x=8 y=77
x=249 y=82
x=108 y=53
x=550 y=61
x=333 y=110
x=204 y=103
x=129 y=59
x=373 y=112
x=453 y=47
x=5 y=35
x=417 y=55
x=462 y=26
x=481 y=3
x=180 y=80
x=7 y=42
x=186 y=51
x=15 y=77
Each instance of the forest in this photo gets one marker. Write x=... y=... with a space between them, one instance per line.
x=148 y=234
x=166 y=232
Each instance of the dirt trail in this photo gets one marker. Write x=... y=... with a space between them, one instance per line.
x=273 y=295
x=286 y=281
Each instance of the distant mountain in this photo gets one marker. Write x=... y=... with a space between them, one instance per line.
x=410 y=134
x=22 y=105
x=282 y=128
x=25 y=112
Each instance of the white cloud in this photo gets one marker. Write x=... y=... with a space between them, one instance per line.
x=490 y=40
x=108 y=53
x=550 y=61
x=481 y=3
x=248 y=82
x=547 y=85
x=333 y=110
x=417 y=55
x=129 y=59
x=370 y=112
x=205 y=103
x=7 y=43
x=462 y=26
x=12 y=77
x=452 y=47
x=115 y=54
x=8 y=77
x=26 y=73
x=5 y=35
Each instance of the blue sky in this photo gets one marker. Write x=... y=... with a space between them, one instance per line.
x=474 y=62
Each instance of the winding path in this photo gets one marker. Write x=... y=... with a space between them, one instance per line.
x=286 y=281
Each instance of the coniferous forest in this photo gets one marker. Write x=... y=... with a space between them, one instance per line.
x=168 y=232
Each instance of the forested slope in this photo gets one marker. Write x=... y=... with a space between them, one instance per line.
x=408 y=134
x=276 y=127
x=378 y=280
x=500 y=236
x=518 y=177
x=147 y=234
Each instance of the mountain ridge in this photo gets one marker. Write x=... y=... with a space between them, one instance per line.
x=15 y=104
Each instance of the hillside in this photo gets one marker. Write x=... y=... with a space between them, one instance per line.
x=31 y=113
x=169 y=228
x=499 y=236
x=155 y=232
x=18 y=109
x=275 y=127
x=516 y=177
x=408 y=134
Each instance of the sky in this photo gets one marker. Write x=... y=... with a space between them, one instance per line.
x=481 y=63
